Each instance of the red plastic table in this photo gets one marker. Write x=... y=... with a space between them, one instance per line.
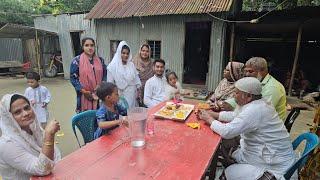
x=175 y=151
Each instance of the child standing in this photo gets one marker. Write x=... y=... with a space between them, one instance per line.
x=39 y=97
x=108 y=115
x=173 y=87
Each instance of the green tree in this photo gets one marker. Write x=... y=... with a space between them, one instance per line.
x=66 y=6
x=17 y=11
x=255 y=5
x=21 y=11
x=76 y=5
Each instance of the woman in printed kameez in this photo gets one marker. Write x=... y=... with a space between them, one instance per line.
x=87 y=71
x=143 y=63
x=224 y=92
x=225 y=89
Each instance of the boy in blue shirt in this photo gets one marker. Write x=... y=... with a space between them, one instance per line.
x=108 y=114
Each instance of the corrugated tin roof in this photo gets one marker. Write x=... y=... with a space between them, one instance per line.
x=129 y=8
x=19 y=31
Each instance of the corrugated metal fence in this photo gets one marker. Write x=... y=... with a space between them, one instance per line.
x=64 y=24
x=11 y=50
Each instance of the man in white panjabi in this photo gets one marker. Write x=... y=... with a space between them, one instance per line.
x=154 y=91
x=123 y=73
x=265 y=146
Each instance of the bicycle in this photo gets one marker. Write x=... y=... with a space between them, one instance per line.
x=54 y=66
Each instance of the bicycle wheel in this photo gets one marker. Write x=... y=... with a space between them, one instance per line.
x=51 y=72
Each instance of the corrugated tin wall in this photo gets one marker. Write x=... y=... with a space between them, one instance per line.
x=170 y=30
x=63 y=25
x=170 y=33
x=216 y=62
x=11 y=50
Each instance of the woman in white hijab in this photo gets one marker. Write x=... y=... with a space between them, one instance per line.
x=25 y=148
x=123 y=73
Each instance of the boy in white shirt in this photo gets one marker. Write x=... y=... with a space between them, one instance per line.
x=39 y=97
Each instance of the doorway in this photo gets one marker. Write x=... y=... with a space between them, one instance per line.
x=196 y=52
x=75 y=37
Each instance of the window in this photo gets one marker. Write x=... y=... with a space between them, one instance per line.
x=155 y=49
x=113 y=47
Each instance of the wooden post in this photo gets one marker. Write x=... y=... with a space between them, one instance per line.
x=296 y=57
x=231 y=54
x=37 y=53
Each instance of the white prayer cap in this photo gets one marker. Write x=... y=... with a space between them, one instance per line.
x=249 y=85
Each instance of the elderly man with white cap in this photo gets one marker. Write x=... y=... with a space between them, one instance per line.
x=265 y=150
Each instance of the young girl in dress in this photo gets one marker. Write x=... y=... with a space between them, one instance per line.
x=173 y=88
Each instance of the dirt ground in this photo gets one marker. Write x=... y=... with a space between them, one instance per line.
x=62 y=107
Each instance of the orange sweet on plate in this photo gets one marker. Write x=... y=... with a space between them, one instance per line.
x=204 y=106
x=194 y=125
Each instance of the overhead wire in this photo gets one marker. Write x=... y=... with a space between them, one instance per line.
x=255 y=20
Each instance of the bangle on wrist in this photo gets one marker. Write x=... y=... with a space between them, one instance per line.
x=48 y=143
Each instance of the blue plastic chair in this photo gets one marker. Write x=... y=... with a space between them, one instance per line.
x=291 y=118
x=87 y=124
x=123 y=102
x=312 y=141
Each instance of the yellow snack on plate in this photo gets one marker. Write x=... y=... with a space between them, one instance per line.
x=166 y=112
x=180 y=114
x=194 y=125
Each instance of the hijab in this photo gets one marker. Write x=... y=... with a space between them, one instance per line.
x=236 y=70
x=226 y=88
x=11 y=130
x=145 y=69
x=139 y=63
x=123 y=74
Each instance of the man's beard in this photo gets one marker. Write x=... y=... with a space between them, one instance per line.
x=159 y=75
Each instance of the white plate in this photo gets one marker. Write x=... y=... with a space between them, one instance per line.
x=185 y=108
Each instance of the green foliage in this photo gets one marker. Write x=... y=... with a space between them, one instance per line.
x=256 y=5
x=21 y=11
x=15 y=11
x=76 y=5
